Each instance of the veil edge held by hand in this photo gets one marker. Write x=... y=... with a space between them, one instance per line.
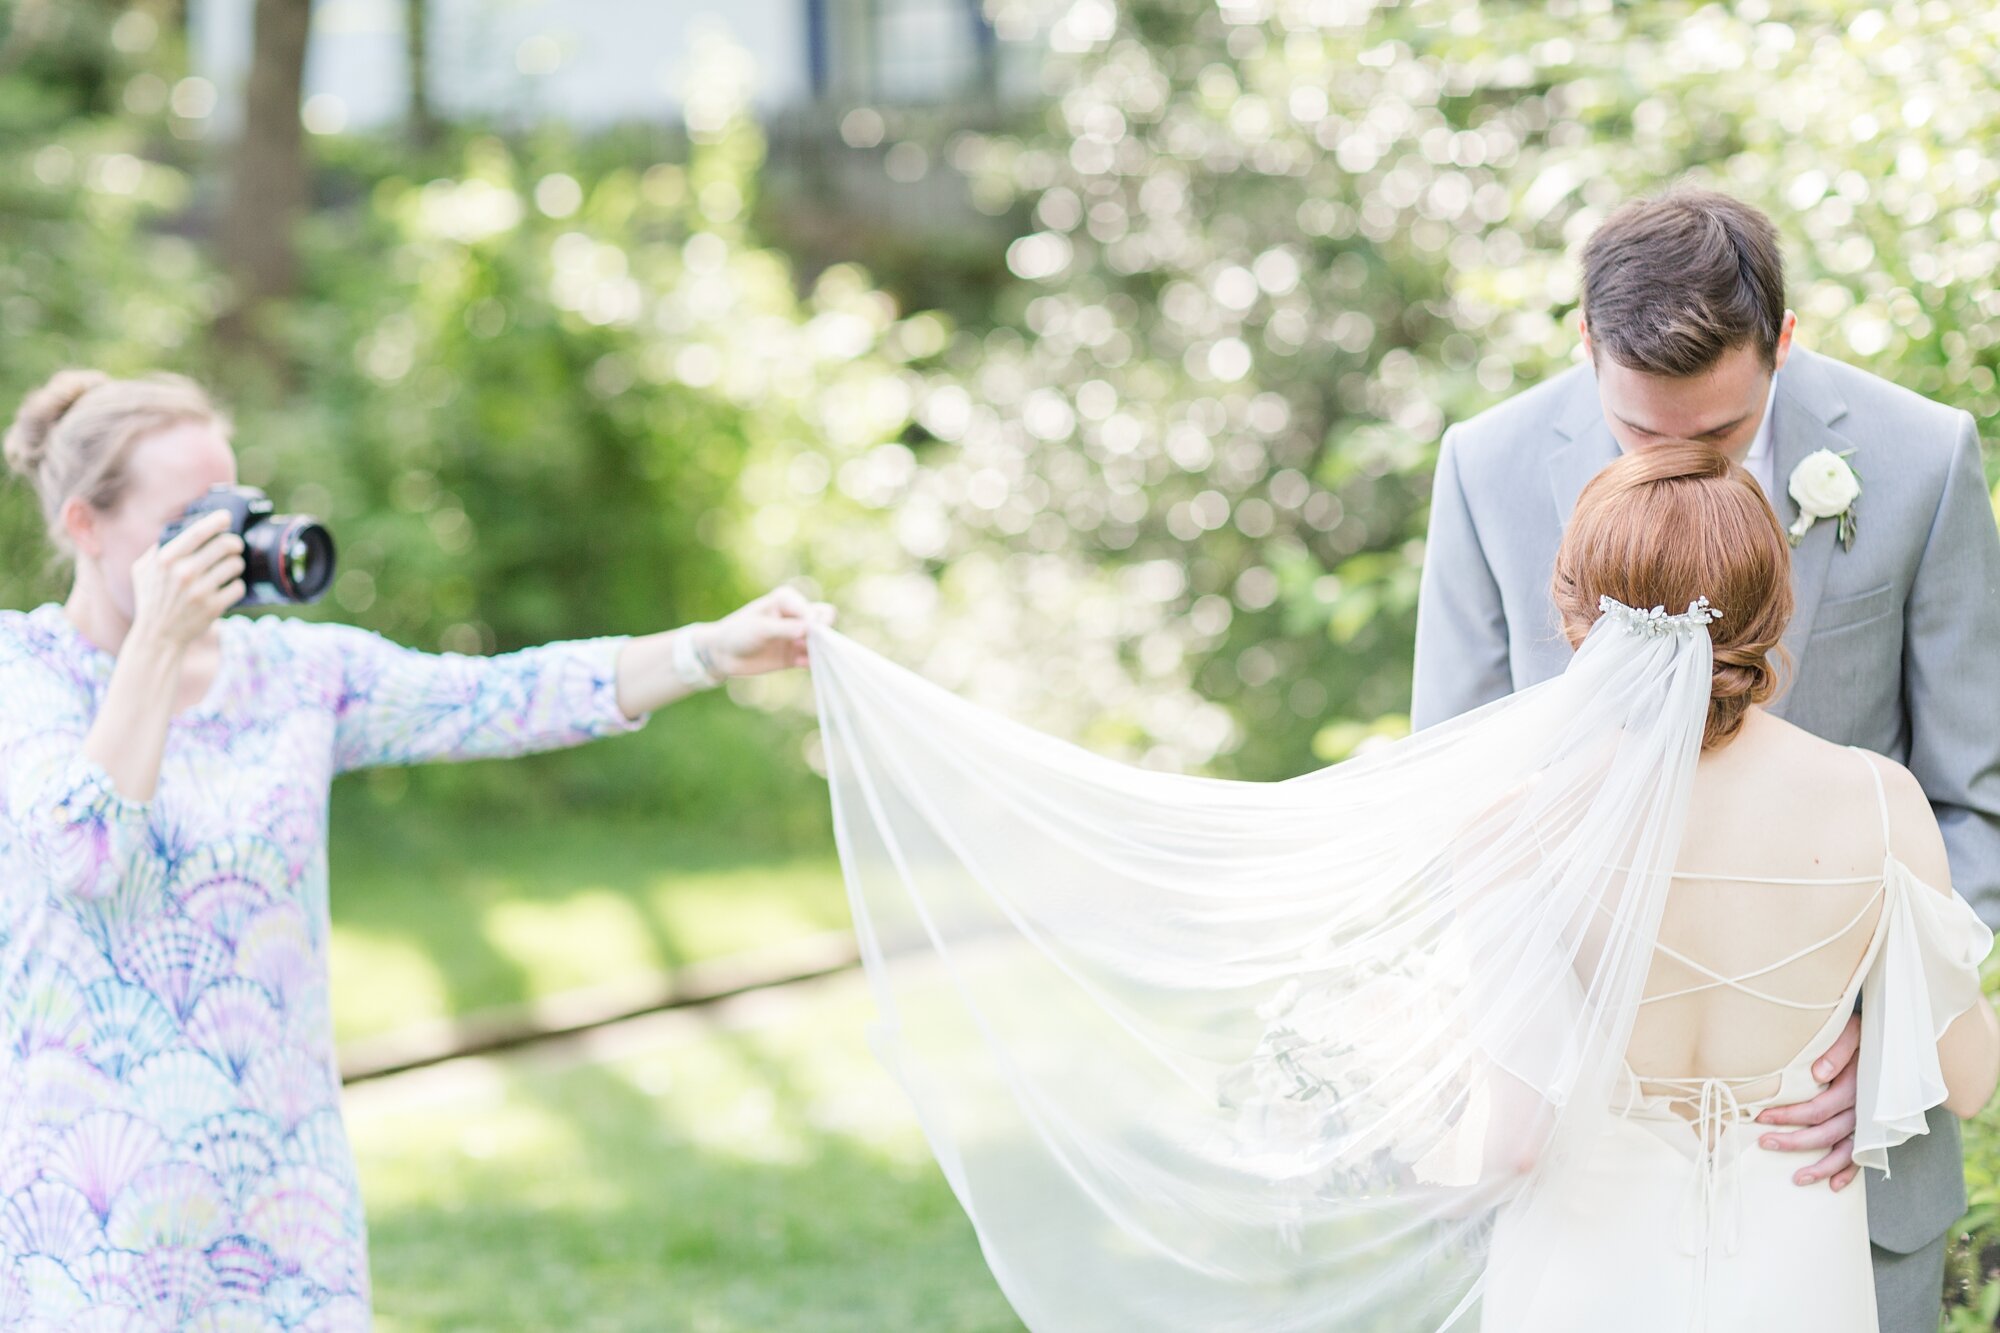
x=1199 y=1054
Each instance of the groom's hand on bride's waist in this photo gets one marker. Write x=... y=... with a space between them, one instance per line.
x=1827 y=1121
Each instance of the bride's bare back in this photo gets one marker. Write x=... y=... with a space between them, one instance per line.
x=1777 y=894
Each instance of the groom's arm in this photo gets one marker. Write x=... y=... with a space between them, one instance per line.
x=1462 y=659
x=1951 y=675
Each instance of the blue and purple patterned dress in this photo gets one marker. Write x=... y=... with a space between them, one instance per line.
x=171 y=1148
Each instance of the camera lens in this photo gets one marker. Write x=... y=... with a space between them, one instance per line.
x=289 y=558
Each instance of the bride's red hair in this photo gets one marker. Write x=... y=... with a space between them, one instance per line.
x=1667 y=524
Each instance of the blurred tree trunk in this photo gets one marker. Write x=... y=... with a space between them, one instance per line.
x=173 y=16
x=267 y=192
x=423 y=120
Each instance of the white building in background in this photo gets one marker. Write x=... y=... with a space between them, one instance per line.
x=598 y=62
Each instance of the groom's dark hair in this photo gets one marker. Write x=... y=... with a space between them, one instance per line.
x=1671 y=283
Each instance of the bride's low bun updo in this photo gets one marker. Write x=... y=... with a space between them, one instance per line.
x=1665 y=525
x=72 y=436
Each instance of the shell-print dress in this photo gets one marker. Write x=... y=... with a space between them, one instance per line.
x=171 y=1148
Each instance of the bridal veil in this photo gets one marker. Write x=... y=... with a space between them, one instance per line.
x=1198 y=1054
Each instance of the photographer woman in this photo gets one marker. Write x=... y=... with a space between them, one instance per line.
x=170 y=1133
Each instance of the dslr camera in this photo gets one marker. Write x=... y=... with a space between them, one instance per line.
x=287 y=558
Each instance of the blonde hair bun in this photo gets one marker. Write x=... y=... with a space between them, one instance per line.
x=73 y=436
x=27 y=440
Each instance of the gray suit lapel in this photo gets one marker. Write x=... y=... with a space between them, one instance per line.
x=1807 y=406
x=1586 y=448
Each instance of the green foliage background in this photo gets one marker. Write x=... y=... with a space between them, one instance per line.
x=1165 y=491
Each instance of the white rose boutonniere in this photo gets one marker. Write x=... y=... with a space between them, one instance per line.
x=1825 y=486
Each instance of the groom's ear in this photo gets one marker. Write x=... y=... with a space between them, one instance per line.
x=1583 y=333
x=1784 y=347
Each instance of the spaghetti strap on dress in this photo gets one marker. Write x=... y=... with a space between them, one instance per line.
x=1923 y=974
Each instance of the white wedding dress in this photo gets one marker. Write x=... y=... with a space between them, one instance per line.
x=1673 y=1217
x=1390 y=1046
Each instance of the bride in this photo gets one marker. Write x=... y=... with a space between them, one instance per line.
x=1469 y=1032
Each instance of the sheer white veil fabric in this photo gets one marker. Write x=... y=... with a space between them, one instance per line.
x=1202 y=1055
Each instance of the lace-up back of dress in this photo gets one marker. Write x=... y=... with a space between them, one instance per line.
x=1759 y=950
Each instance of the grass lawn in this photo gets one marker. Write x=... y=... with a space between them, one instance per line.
x=714 y=1173
x=436 y=915
x=730 y=1174
x=735 y=1176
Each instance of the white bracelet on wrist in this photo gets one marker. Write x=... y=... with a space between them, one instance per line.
x=692 y=665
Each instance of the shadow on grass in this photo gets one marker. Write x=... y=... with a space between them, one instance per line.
x=765 y=1181
x=440 y=913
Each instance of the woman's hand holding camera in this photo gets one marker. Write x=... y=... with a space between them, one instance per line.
x=179 y=591
x=182 y=588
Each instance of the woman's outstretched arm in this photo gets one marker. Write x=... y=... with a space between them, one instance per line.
x=395 y=705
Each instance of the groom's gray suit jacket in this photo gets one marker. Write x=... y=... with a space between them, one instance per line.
x=1895 y=644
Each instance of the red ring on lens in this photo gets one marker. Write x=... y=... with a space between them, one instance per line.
x=281 y=569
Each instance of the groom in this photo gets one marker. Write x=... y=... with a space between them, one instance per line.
x=1895 y=645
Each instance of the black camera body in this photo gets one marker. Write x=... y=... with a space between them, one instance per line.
x=287 y=558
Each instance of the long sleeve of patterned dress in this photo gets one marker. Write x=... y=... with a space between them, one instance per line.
x=400 y=706
x=71 y=821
